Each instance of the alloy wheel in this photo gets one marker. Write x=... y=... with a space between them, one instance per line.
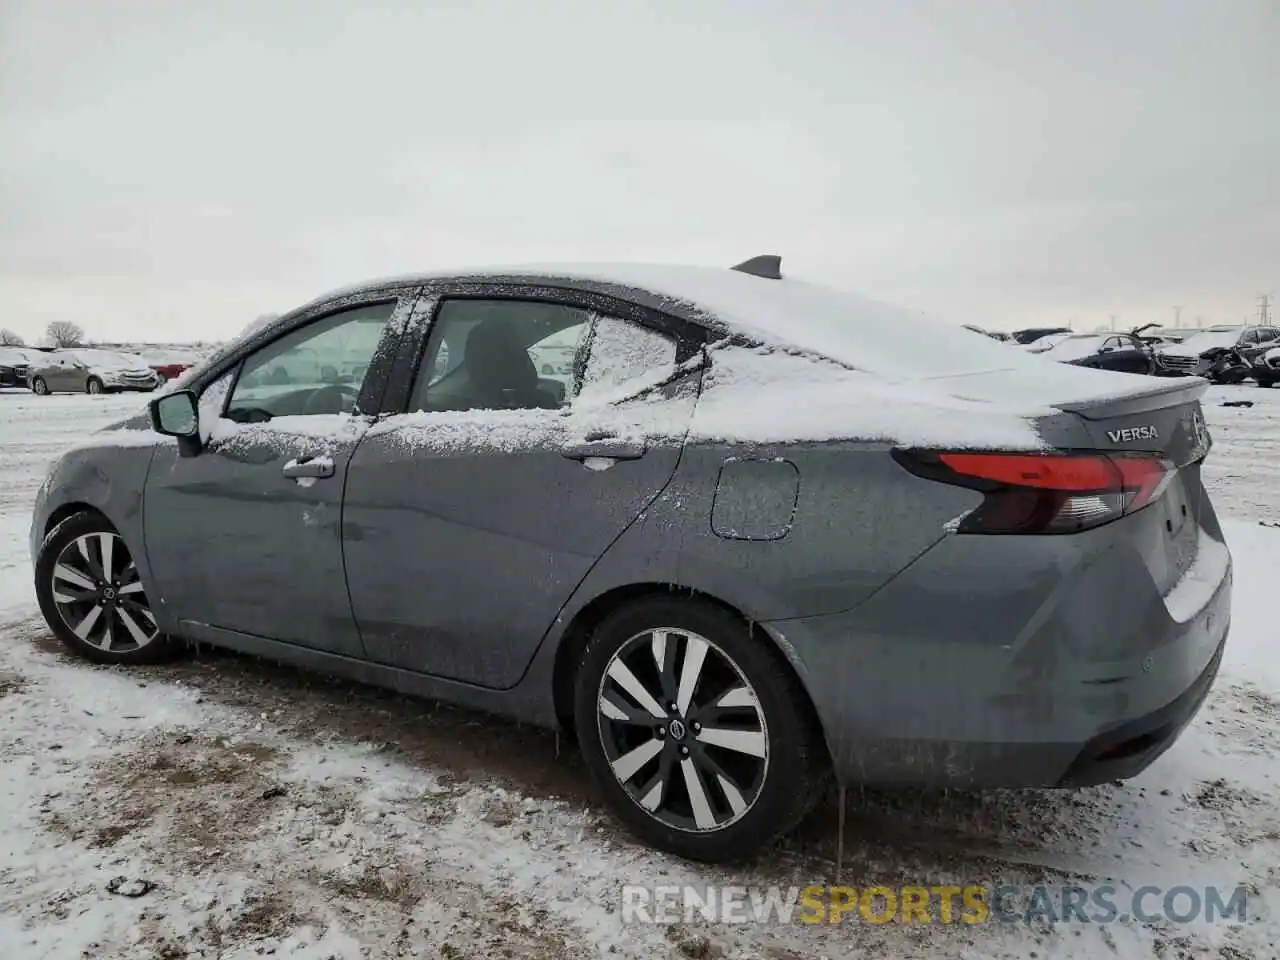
x=98 y=594
x=94 y=386
x=682 y=730
x=40 y=387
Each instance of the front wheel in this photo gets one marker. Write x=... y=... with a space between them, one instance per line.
x=92 y=595
x=1264 y=381
x=39 y=387
x=696 y=730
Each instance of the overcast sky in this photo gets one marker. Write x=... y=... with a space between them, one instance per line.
x=171 y=170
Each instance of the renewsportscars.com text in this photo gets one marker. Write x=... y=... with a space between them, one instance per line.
x=930 y=904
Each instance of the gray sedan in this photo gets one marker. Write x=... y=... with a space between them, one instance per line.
x=760 y=533
x=86 y=370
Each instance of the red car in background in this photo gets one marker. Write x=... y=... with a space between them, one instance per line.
x=169 y=370
x=168 y=365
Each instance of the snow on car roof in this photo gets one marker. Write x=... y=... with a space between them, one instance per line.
x=923 y=371
x=858 y=331
x=1074 y=347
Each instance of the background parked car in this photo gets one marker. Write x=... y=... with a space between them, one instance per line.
x=1207 y=352
x=169 y=364
x=90 y=371
x=1032 y=334
x=1266 y=366
x=554 y=355
x=993 y=334
x=1121 y=352
x=14 y=364
x=1044 y=343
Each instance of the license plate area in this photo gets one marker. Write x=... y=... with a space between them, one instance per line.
x=1181 y=523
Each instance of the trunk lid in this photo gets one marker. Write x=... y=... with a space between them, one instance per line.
x=1167 y=420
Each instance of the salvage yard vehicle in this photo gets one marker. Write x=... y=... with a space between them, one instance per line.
x=85 y=370
x=1122 y=352
x=1266 y=366
x=1223 y=354
x=1032 y=334
x=765 y=532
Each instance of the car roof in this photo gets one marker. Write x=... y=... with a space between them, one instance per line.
x=858 y=331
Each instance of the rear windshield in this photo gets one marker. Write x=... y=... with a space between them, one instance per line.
x=1074 y=348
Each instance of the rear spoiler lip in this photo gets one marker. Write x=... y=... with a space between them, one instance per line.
x=1166 y=392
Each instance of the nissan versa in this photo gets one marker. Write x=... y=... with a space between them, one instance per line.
x=760 y=532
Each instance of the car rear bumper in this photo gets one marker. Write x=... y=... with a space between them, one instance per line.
x=1030 y=675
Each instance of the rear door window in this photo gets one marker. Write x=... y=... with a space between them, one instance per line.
x=506 y=354
x=500 y=354
x=624 y=357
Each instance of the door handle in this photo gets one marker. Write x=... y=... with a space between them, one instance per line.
x=605 y=448
x=313 y=467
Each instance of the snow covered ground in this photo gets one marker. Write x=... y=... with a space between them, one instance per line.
x=253 y=810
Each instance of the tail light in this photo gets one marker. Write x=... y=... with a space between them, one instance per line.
x=1045 y=492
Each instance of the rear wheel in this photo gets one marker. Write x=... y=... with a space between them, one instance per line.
x=38 y=386
x=1264 y=381
x=696 y=731
x=93 y=385
x=92 y=595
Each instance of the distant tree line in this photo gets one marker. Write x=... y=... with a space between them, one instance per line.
x=64 y=333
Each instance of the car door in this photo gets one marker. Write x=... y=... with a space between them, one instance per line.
x=1251 y=342
x=244 y=536
x=471 y=517
x=61 y=374
x=1128 y=356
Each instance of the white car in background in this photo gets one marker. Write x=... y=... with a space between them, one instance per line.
x=553 y=356
x=86 y=370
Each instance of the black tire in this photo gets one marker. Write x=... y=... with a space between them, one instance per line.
x=94 y=385
x=788 y=781
x=60 y=549
x=1264 y=381
x=39 y=387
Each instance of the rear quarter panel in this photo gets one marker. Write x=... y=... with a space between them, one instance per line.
x=858 y=520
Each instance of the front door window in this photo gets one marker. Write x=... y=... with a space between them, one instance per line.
x=317 y=369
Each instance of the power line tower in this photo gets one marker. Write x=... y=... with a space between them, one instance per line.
x=1264 y=310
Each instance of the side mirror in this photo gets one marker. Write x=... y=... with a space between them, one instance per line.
x=177 y=415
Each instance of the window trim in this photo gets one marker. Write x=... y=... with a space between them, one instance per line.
x=689 y=337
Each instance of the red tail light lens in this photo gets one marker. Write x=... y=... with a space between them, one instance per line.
x=1046 y=493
